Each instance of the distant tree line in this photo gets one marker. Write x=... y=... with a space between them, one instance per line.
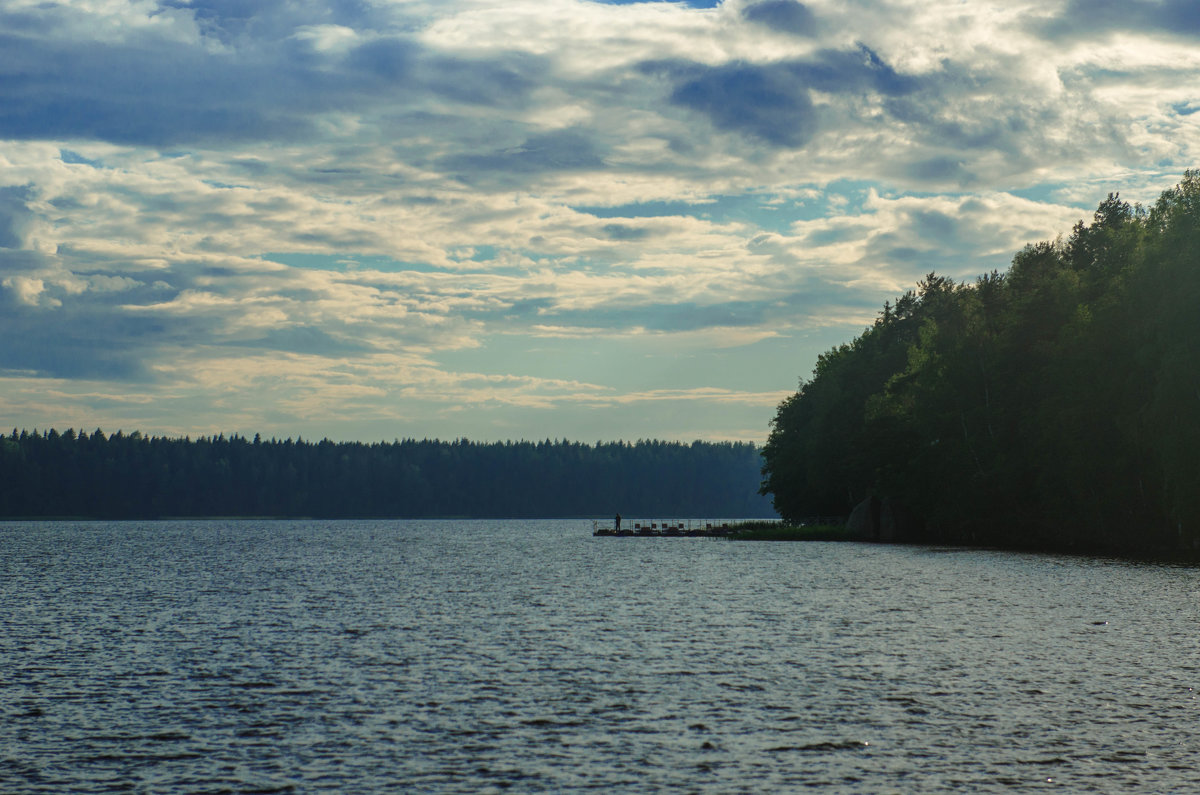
x=134 y=476
x=1054 y=405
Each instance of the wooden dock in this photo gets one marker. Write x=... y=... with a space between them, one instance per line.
x=694 y=528
x=703 y=528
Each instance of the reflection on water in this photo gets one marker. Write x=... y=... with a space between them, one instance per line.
x=478 y=656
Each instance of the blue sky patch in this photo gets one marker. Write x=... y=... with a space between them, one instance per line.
x=69 y=156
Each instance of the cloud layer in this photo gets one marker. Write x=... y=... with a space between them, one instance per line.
x=370 y=219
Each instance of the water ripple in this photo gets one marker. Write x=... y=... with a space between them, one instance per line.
x=472 y=657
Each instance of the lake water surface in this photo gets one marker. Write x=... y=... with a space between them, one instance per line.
x=489 y=656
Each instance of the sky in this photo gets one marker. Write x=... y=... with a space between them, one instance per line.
x=567 y=219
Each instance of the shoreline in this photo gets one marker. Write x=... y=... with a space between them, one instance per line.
x=775 y=531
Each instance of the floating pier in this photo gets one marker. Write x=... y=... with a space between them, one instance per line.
x=695 y=528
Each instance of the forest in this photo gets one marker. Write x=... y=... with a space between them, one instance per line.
x=76 y=474
x=1052 y=406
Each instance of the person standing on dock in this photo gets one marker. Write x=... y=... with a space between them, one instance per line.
x=618 y=522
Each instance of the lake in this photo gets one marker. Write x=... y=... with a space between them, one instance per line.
x=499 y=656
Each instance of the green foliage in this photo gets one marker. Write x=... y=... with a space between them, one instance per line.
x=1057 y=404
x=134 y=476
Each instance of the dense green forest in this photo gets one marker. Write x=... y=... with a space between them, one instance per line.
x=134 y=476
x=1056 y=405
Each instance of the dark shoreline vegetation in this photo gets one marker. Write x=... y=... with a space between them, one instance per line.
x=75 y=474
x=1055 y=406
x=768 y=530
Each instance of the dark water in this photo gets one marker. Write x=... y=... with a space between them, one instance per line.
x=531 y=657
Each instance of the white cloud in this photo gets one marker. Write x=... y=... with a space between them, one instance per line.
x=327 y=38
x=29 y=291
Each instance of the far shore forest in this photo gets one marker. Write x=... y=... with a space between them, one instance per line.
x=1053 y=406
x=132 y=476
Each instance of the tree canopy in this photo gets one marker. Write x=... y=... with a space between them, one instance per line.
x=1054 y=405
x=134 y=476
